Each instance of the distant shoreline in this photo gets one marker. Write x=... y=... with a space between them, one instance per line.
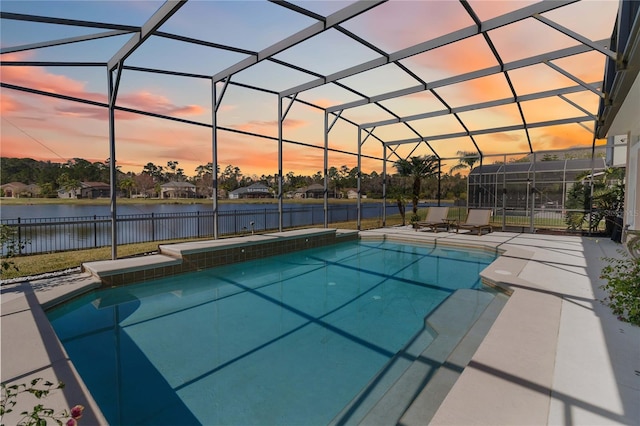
x=152 y=201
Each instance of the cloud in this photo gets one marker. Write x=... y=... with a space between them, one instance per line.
x=560 y=137
x=506 y=137
x=266 y=127
x=399 y=24
x=84 y=111
x=40 y=78
x=227 y=108
x=10 y=104
x=324 y=103
x=147 y=101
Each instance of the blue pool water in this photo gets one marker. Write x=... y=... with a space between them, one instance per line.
x=285 y=340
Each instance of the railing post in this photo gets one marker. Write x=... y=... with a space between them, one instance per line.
x=153 y=228
x=95 y=231
x=198 y=223
x=19 y=237
x=504 y=209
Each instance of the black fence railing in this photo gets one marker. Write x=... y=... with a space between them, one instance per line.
x=47 y=235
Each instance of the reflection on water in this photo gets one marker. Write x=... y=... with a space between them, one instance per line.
x=59 y=227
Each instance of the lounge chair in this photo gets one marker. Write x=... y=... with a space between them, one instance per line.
x=477 y=220
x=436 y=218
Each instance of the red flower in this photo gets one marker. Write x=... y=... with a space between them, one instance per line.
x=76 y=412
x=72 y=422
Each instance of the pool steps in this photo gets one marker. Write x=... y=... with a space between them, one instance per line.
x=173 y=259
x=427 y=402
x=435 y=357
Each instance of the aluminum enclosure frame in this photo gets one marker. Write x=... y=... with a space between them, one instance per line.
x=116 y=66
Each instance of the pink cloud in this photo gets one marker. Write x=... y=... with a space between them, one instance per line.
x=10 y=104
x=40 y=78
x=269 y=126
x=324 y=103
x=159 y=104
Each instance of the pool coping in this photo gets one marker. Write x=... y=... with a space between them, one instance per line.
x=509 y=380
x=174 y=259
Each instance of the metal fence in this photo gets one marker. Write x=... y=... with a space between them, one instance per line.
x=75 y=233
x=47 y=235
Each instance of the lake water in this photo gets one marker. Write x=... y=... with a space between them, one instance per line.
x=76 y=210
x=59 y=227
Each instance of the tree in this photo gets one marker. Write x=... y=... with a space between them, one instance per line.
x=175 y=172
x=204 y=180
x=550 y=157
x=144 y=183
x=230 y=178
x=334 y=180
x=68 y=183
x=608 y=198
x=154 y=171
x=466 y=161
x=397 y=192
x=127 y=185
x=417 y=168
x=47 y=190
x=577 y=205
x=204 y=170
x=103 y=170
x=606 y=203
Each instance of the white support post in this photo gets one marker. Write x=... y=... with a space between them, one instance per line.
x=384 y=186
x=326 y=168
x=113 y=171
x=359 y=187
x=280 y=177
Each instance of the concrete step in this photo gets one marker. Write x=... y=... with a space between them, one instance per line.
x=425 y=405
x=452 y=333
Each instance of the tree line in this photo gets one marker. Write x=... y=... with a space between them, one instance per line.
x=51 y=177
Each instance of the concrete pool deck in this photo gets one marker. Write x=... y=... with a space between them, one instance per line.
x=554 y=355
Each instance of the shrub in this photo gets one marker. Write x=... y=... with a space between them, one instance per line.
x=10 y=246
x=39 y=415
x=623 y=286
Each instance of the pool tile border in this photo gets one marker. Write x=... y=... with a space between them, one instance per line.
x=180 y=258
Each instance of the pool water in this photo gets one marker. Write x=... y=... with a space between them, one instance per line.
x=286 y=340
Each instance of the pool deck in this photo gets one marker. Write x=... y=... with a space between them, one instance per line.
x=554 y=355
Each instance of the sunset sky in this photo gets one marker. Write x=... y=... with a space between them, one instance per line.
x=45 y=128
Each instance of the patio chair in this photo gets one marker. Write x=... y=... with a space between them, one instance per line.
x=477 y=220
x=436 y=218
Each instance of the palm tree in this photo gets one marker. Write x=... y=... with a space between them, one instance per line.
x=127 y=185
x=418 y=168
x=467 y=160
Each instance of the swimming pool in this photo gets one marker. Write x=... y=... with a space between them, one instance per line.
x=288 y=339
